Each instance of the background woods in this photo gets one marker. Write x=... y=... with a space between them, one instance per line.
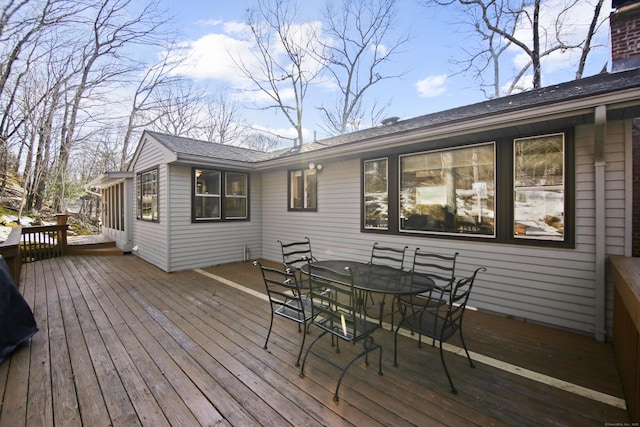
x=80 y=79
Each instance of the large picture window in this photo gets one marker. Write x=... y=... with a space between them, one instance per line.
x=539 y=187
x=147 y=195
x=303 y=194
x=516 y=190
x=449 y=191
x=219 y=195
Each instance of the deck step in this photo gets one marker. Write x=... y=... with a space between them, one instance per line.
x=93 y=246
x=90 y=250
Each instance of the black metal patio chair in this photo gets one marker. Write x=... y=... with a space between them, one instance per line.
x=287 y=301
x=386 y=256
x=337 y=313
x=442 y=323
x=440 y=269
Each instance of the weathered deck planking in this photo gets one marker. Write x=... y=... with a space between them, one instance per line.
x=122 y=343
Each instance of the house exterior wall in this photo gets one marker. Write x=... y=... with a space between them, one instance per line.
x=150 y=237
x=209 y=243
x=547 y=285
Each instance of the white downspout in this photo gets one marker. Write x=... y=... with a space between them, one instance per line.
x=600 y=119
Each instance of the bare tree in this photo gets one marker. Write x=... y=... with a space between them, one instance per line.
x=113 y=28
x=61 y=62
x=23 y=21
x=284 y=65
x=518 y=24
x=23 y=25
x=222 y=123
x=178 y=109
x=596 y=23
x=154 y=78
x=485 y=59
x=359 y=45
x=259 y=141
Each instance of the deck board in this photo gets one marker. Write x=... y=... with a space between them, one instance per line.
x=122 y=343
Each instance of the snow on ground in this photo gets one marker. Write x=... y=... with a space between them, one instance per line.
x=7 y=219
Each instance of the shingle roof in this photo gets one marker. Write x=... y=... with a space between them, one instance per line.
x=590 y=86
x=587 y=87
x=194 y=147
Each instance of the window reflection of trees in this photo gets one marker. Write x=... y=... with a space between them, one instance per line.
x=539 y=179
x=376 y=196
x=449 y=191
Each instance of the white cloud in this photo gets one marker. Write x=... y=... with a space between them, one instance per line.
x=213 y=56
x=380 y=49
x=209 y=58
x=432 y=86
x=209 y=22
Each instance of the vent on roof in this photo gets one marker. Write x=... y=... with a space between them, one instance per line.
x=389 y=121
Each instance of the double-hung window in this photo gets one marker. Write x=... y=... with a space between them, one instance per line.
x=220 y=195
x=147 y=195
x=236 y=194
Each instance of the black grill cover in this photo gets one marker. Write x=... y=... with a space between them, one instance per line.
x=17 y=324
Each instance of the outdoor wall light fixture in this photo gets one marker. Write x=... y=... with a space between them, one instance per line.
x=317 y=167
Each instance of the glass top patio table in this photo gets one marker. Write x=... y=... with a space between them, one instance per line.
x=376 y=278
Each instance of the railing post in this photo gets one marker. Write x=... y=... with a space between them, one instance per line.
x=62 y=239
x=61 y=219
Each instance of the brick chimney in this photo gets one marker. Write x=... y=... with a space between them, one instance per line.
x=625 y=35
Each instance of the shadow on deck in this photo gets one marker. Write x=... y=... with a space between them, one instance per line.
x=123 y=343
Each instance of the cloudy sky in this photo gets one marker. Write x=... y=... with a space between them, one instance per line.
x=210 y=29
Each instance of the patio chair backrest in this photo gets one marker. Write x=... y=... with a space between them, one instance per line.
x=335 y=304
x=282 y=287
x=295 y=254
x=388 y=255
x=439 y=268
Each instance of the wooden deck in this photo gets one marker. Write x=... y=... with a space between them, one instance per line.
x=122 y=343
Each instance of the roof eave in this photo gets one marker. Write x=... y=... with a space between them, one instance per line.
x=108 y=179
x=485 y=122
x=210 y=161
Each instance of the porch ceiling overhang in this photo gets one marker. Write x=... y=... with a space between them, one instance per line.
x=108 y=179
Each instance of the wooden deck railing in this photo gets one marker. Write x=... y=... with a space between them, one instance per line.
x=43 y=242
x=626 y=327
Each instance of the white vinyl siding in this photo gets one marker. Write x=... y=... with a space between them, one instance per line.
x=150 y=237
x=195 y=245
